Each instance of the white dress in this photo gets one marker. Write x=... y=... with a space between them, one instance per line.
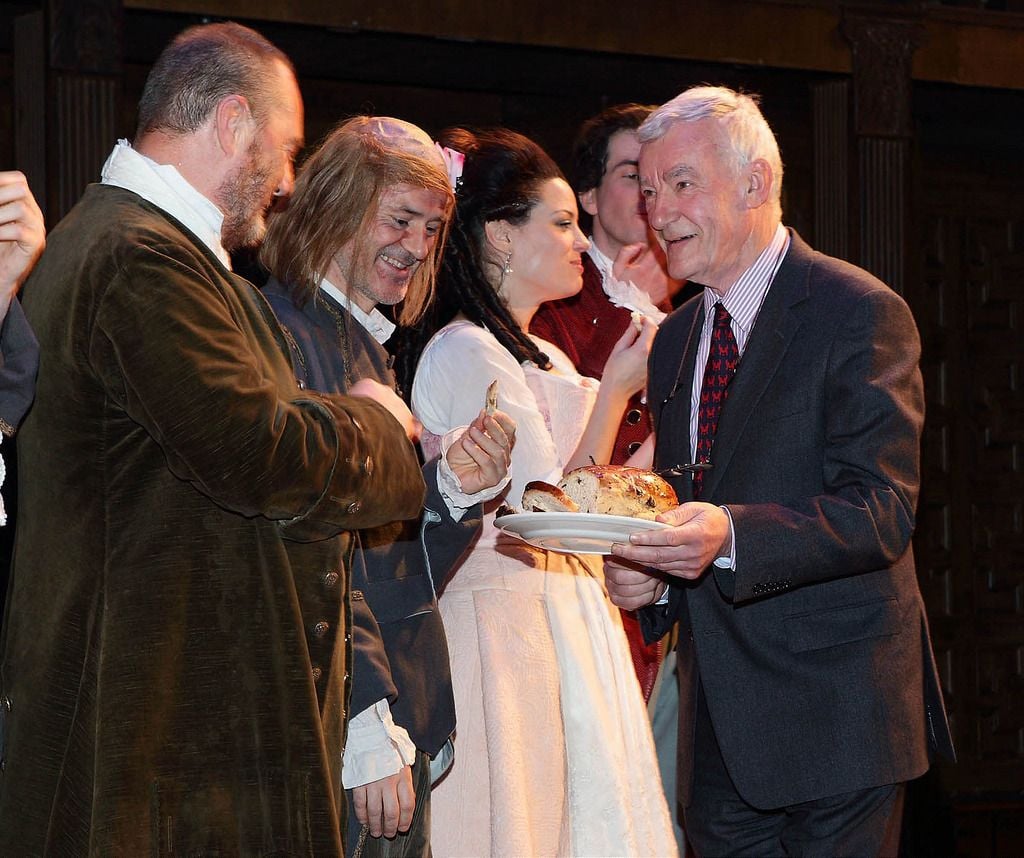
x=553 y=748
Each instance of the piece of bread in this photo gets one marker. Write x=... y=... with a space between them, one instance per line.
x=619 y=490
x=544 y=497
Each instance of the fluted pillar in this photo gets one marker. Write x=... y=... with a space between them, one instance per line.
x=882 y=48
x=831 y=111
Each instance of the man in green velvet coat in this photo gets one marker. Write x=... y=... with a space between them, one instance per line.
x=172 y=682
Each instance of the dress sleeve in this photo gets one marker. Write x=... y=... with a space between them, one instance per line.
x=450 y=388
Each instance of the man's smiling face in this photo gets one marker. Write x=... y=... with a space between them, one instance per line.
x=696 y=202
x=378 y=264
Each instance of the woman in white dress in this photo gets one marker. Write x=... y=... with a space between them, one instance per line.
x=554 y=754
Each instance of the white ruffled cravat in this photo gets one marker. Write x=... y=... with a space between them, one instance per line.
x=623 y=293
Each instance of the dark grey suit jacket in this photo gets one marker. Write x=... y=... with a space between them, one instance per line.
x=400 y=649
x=19 y=363
x=814 y=655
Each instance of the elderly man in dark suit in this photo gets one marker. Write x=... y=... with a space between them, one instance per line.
x=808 y=687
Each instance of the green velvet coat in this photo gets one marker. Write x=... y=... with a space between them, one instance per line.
x=173 y=678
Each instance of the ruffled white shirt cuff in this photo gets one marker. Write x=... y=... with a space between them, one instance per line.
x=623 y=293
x=448 y=483
x=376 y=747
x=3 y=474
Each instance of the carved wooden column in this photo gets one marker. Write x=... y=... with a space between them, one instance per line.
x=831 y=111
x=882 y=47
x=67 y=95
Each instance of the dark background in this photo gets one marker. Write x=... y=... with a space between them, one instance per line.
x=902 y=131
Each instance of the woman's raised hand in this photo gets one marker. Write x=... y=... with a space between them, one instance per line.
x=626 y=367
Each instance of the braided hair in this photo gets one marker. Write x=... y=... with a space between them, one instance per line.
x=501 y=180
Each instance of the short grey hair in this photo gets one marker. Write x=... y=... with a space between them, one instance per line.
x=749 y=135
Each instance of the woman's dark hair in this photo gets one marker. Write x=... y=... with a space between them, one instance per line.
x=501 y=180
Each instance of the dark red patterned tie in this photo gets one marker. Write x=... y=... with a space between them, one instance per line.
x=721 y=366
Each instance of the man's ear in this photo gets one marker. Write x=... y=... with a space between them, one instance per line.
x=499 y=235
x=760 y=181
x=588 y=202
x=234 y=124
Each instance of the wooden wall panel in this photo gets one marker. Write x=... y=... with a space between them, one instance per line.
x=970 y=540
x=961 y=45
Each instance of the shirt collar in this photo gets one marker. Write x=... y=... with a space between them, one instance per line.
x=602 y=262
x=163 y=186
x=744 y=298
x=376 y=323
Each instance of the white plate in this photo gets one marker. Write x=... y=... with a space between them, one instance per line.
x=573 y=532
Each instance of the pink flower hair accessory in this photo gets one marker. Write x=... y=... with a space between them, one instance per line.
x=453 y=162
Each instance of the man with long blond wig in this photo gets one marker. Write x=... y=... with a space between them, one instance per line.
x=342 y=189
x=366 y=226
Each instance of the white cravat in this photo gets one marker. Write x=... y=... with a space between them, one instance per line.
x=623 y=293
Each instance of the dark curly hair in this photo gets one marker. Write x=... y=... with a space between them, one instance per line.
x=590 y=151
x=501 y=180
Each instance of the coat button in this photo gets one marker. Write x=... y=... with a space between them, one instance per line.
x=321 y=628
x=317 y=673
x=331 y=579
x=301 y=384
x=633 y=416
x=356 y=595
x=633 y=447
x=354 y=507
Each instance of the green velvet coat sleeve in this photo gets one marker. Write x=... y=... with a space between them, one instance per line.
x=176 y=355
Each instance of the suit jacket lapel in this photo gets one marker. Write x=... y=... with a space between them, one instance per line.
x=673 y=435
x=774 y=328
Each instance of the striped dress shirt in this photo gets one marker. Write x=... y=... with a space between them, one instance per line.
x=742 y=301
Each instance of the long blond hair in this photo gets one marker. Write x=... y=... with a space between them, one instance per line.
x=336 y=196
